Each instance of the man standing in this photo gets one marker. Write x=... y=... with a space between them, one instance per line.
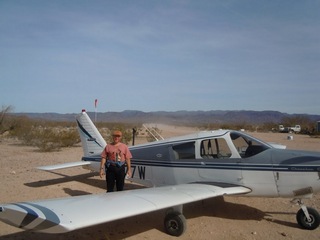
x=113 y=159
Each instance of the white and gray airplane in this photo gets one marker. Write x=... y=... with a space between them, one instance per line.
x=177 y=171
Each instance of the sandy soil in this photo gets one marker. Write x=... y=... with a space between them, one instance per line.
x=219 y=218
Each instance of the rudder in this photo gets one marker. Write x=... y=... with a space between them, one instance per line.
x=91 y=139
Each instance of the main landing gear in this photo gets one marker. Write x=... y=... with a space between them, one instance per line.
x=308 y=218
x=175 y=223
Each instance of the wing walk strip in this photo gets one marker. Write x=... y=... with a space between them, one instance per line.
x=71 y=213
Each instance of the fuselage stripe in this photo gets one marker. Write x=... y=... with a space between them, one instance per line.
x=200 y=164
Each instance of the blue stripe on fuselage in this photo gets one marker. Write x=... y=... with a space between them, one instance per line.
x=200 y=164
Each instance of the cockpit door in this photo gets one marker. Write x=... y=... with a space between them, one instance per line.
x=217 y=161
x=256 y=164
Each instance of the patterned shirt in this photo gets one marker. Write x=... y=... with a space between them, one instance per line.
x=115 y=153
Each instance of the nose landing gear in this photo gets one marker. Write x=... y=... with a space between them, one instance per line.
x=308 y=218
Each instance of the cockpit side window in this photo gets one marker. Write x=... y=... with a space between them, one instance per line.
x=184 y=150
x=247 y=146
x=215 y=148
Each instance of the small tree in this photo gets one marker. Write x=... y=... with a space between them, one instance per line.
x=4 y=120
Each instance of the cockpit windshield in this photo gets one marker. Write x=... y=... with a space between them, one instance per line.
x=247 y=146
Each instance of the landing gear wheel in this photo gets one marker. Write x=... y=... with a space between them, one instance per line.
x=175 y=224
x=314 y=221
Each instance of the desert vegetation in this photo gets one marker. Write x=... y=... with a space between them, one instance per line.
x=45 y=135
x=49 y=135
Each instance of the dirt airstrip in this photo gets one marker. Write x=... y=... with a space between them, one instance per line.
x=218 y=218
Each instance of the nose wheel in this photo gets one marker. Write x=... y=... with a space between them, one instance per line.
x=308 y=218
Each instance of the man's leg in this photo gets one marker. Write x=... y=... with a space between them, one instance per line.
x=120 y=178
x=110 y=178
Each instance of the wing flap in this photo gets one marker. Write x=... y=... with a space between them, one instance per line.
x=68 y=214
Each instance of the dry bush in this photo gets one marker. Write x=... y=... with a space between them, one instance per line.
x=53 y=139
x=45 y=135
x=106 y=129
x=53 y=135
x=5 y=118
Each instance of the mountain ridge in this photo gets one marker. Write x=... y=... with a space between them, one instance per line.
x=178 y=117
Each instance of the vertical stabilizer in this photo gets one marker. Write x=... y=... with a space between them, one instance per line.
x=92 y=141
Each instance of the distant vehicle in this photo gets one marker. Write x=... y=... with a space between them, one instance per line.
x=281 y=128
x=295 y=129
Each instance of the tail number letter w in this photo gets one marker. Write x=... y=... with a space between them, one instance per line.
x=142 y=172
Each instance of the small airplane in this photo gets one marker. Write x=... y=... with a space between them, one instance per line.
x=177 y=171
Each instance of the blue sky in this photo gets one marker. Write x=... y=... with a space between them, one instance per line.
x=169 y=55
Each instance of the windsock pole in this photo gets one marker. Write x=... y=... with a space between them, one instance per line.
x=95 y=109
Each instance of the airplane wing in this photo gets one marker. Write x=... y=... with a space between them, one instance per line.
x=64 y=165
x=71 y=213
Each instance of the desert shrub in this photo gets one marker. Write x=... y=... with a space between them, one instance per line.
x=126 y=134
x=106 y=129
x=45 y=135
x=5 y=119
x=69 y=138
x=52 y=139
x=54 y=135
x=49 y=139
x=21 y=128
x=45 y=139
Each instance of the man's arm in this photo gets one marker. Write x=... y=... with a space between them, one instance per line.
x=128 y=161
x=102 y=166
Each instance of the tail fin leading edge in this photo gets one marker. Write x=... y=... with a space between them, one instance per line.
x=91 y=139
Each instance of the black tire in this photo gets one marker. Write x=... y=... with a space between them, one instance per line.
x=303 y=221
x=175 y=224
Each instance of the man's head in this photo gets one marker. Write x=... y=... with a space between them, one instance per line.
x=116 y=135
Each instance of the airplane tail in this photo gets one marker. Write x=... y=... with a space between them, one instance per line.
x=92 y=144
x=91 y=139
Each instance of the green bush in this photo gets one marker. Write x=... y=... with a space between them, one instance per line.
x=52 y=136
x=53 y=139
x=45 y=135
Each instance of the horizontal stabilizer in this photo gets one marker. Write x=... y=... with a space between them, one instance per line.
x=64 y=165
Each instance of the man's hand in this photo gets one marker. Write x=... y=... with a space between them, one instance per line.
x=129 y=175
x=102 y=173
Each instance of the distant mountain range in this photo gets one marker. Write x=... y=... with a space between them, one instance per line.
x=179 y=117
